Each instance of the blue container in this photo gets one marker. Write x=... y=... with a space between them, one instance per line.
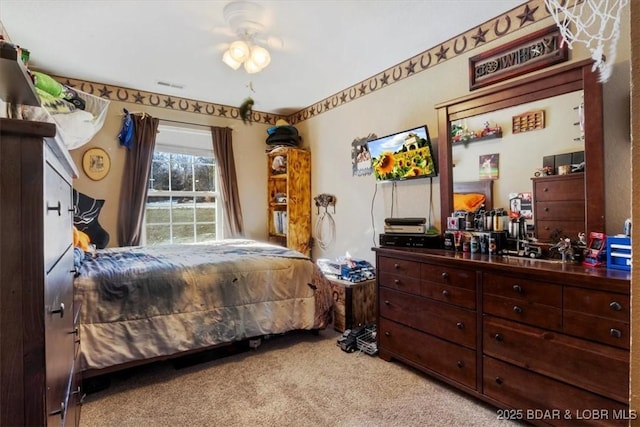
x=619 y=252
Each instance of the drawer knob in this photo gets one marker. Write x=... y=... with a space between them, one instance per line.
x=55 y=208
x=75 y=331
x=396 y=266
x=445 y=293
x=616 y=333
x=386 y=302
x=459 y=364
x=615 y=306
x=517 y=309
x=499 y=381
x=517 y=288
x=387 y=334
x=396 y=281
x=445 y=275
x=546 y=209
x=59 y=310
x=460 y=325
x=75 y=272
x=545 y=189
x=498 y=337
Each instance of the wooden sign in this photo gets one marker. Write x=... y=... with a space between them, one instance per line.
x=532 y=52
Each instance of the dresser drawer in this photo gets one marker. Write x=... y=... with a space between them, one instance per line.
x=450 y=294
x=458 y=277
x=601 y=329
x=567 y=210
x=58 y=215
x=543 y=399
x=597 y=303
x=520 y=289
x=59 y=333
x=595 y=367
x=452 y=361
x=544 y=228
x=543 y=316
x=402 y=283
x=559 y=188
x=399 y=267
x=445 y=321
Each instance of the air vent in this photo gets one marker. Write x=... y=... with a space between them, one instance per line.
x=173 y=85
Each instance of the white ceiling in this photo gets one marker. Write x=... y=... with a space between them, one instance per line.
x=329 y=45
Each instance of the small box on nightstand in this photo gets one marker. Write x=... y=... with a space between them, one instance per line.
x=354 y=303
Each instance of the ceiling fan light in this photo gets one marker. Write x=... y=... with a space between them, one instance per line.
x=260 y=56
x=227 y=59
x=251 y=67
x=239 y=51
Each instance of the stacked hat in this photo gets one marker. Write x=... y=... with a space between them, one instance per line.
x=283 y=134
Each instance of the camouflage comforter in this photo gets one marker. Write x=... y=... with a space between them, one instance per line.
x=144 y=302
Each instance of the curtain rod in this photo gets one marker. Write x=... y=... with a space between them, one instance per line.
x=188 y=123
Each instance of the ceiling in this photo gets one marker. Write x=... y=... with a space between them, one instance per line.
x=327 y=45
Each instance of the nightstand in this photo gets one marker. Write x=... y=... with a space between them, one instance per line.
x=354 y=303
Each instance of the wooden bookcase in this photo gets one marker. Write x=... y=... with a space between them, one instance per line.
x=289 y=198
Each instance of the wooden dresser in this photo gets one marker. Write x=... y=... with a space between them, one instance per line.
x=38 y=320
x=559 y=206
x=546 y=343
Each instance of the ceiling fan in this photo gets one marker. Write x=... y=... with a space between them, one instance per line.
x=245 y=19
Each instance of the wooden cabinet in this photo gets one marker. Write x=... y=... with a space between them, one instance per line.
x=550 y=342
x=38 y=323
x=354 y=304
x=289 y=198
x=559 y=206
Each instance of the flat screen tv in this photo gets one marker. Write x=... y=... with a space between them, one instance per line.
x=403 y=155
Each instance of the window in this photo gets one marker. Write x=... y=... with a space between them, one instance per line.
x=182 y=202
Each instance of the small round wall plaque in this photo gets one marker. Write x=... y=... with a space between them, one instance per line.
x=96 y=163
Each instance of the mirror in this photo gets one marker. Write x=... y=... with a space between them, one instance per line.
x=566 y=81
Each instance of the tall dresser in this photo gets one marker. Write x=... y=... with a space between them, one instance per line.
x=38 y=327
x=559 y=206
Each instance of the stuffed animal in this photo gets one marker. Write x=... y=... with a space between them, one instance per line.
x=246 y=108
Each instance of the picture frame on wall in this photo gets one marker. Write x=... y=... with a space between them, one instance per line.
x=96 y=163
x=489 y=166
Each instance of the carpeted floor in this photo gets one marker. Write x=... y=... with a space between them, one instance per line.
x=298 y=379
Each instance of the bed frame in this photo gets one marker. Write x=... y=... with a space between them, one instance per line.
x=484 y=186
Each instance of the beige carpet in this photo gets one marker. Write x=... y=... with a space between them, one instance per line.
x=299 y=379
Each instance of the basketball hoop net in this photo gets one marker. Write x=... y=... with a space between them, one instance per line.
x=597 y=26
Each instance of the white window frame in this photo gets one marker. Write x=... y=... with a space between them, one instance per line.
x=189 y=141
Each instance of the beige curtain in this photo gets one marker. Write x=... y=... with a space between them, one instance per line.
x=223 y=151
x=135 y=180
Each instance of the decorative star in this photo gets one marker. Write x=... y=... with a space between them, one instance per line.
x=385 y=79
x=268 y=119
x=362 y=89
x=197 y=108
x=169 y=102
x=138 y=98
x=442 y=54
x=222 y=112
x=411 y=67
x=327 y=105
x=527 y=15
x=105 y=93
x=343 y=98
x=480 y=36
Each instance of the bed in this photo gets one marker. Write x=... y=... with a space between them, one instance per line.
x=140 y=304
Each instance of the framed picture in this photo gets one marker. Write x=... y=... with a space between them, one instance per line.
x=96 y=163
x=489 y=168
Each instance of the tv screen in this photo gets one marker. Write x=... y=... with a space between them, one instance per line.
x=403 y=155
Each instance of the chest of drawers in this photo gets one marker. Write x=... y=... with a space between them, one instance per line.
x=38 y=321
x=517 y=333
x=559 y=206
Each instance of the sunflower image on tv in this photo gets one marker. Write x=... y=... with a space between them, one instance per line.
x=404 y=155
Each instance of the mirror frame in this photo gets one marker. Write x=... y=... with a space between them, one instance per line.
x=558 y=81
